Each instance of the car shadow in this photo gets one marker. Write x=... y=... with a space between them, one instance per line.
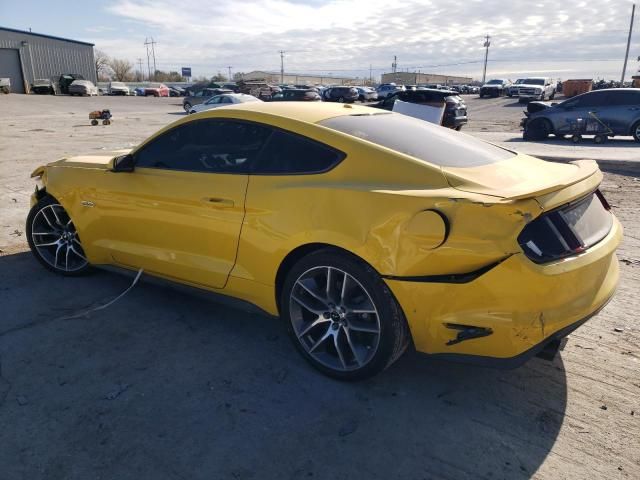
x=166 y=380
x=176 y=113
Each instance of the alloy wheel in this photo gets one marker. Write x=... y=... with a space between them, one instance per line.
x=334 y=318
x=56 y=240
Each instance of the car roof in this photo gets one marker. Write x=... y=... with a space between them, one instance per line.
x=307 y=112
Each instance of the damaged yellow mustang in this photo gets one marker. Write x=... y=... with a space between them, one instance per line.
x=366 y=231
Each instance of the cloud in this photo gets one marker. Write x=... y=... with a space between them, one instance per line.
x=346 y=36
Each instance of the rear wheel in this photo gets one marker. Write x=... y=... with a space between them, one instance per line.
x=341 y=99
x=53 y=238
x=187 y=107
x=342 y=317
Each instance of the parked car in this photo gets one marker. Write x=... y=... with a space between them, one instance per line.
x=340 y=94
x=231 y=86
x=512 y=89
x=494 y=88
x=202 y=96
x=5 y=85
x=43 y=86
x=455 y=111
x=156 y=90
x=83 y=87
x=176 y=91
x=296 y=95
x=224 y=100
x=117 y=88
x=387 y=89
x=367 y=94
x=618 y=109
x=66 y=79
x=536 y=88
x=461 y=243
x=139 y=91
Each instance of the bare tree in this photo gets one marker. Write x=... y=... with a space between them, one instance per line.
x=121 y=69
x=101 y=60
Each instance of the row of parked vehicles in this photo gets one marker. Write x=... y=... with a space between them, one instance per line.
x=454 y=108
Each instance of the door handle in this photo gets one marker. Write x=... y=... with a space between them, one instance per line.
x=219 y=202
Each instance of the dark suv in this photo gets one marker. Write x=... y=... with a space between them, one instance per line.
x=340 y=94
x=455 y=110
x=296 y=95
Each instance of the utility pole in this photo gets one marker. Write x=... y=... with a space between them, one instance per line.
x=370 y=75
x=140 y=69
x=153 y=52
x=394 y=65
x=281 y=66
x=229 y=67
x=626 y=55
x=146 y=45
x=487 y=44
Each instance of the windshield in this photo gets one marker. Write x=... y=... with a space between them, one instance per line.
x=494 y=82
x=422 y=140
x=534 y=81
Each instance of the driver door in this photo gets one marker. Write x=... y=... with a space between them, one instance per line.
x=179 y=213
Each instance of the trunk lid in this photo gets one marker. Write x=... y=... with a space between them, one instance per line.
x=523 y=176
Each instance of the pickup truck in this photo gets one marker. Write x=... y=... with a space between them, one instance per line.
x=494 y=88
x=536 y=88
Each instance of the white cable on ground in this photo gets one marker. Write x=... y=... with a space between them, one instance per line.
x=102 y=307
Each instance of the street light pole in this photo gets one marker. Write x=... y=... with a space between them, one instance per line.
x=626 y=55
x=487 y=43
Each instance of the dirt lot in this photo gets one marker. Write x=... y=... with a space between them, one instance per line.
x=169 y=383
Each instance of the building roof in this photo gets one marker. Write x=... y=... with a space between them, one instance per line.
x=44 y=36
x=293 y=74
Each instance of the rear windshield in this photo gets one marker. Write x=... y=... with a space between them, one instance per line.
x=534 y=81
x=422 y=140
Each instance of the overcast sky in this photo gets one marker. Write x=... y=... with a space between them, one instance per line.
x=563 y=39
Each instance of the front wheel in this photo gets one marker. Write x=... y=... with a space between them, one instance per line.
x=635 y=131
x=187 y=107
x=53 y=238
x=342 y=317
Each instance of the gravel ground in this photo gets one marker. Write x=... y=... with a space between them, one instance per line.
x=170 y=383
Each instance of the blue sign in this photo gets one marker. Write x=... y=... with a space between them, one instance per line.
x=186 y=72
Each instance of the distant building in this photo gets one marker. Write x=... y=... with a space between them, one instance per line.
x=25 y=56
x=297 y=78
x=413 y=78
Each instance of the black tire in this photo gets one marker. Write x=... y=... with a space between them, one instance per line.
x=393 y=337
x=340 y=99
x=537 y=129
x=186 y=107
x=635 y=131
x=552 y=96
x=458 y=128
x=94 y=122
x=33 y=219
x=542 y=97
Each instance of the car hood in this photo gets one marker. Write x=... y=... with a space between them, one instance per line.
x=491 y=85
x=531 y=85
x=100 y=162
x=522 y=176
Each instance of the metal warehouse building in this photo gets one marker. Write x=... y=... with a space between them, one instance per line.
x=296 y=78
x=25 y=56
x=415 y=78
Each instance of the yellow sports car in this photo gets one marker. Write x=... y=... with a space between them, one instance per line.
x=366 y=231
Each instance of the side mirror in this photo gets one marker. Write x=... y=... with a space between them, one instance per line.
x=123 y=163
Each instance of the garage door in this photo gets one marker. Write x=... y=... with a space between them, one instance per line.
x=10 y=67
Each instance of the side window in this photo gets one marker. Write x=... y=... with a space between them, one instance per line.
x=208 y=145
x=595 y=99
x=624 y=98
x=287 y=153
x=199 y=94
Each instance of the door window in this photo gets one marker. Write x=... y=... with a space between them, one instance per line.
x=620 y=98
x=208 y=145
x=595 y=99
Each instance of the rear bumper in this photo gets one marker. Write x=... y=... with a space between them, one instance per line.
x=523 y=305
